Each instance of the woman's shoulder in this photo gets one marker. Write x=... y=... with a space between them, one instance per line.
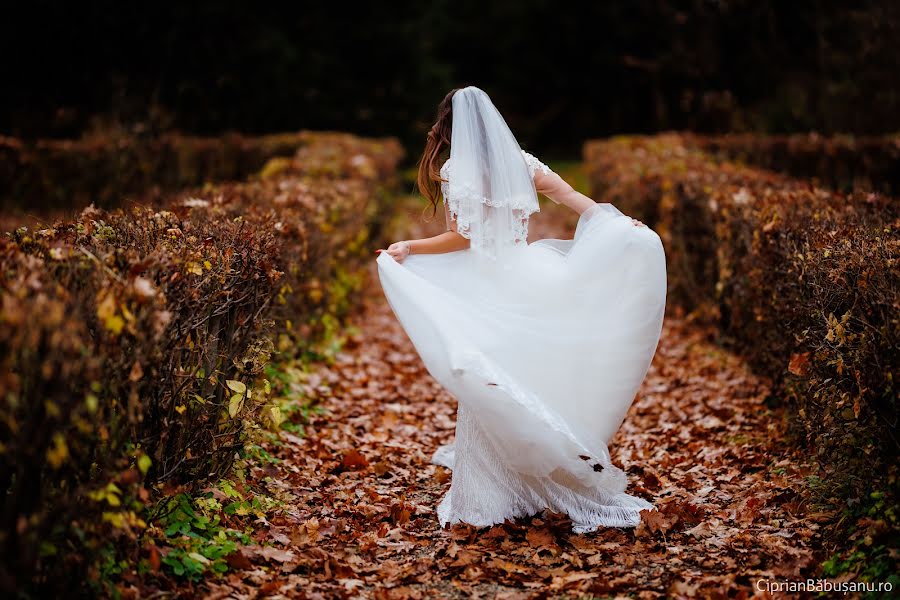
x=535 y=165
x=445 y=179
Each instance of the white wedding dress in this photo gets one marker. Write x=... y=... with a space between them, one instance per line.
x=544 y=351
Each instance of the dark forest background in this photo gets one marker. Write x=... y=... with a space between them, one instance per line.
x=561 y=72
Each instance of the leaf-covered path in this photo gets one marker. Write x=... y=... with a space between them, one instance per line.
x=700 y=442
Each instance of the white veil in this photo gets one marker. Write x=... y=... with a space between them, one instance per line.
x=489 y=190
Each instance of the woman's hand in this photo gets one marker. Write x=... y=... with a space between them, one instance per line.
x=397 y=250
x=636 y=223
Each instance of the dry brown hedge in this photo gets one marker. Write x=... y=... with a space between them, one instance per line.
x=119 y=333
x=324 y=205
x=841 y=162
x=49 y=174
x=802 y=281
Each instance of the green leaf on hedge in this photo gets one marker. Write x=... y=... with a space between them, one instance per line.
x=144 y=463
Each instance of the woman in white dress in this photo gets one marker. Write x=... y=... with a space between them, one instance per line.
x=544 y=345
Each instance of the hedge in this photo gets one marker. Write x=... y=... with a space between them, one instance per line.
x=324 y=205
x=132 y=342
x=49 y=174
x=801 y=280
x=842 y=162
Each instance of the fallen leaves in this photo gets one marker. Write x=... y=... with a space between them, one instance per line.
x=354 y=461
x=654 y=522
x=275 y=554
x=542 y=539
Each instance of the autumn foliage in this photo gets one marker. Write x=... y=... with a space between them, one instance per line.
x=131 y=342
x=801 y=280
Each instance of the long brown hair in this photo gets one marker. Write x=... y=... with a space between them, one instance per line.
x=429 y=176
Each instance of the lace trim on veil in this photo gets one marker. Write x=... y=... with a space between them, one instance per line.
x=522 y=206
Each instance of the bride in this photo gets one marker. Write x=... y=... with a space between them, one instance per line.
x=544 y=345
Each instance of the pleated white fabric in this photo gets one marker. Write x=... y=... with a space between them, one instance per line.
x=544 y=352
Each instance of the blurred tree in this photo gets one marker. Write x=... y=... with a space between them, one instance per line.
x=560 y=72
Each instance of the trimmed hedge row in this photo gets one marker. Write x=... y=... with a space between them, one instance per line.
x=119 y=332
x=132 y=340
x=47 y=174
x=802 y=281
x=323 y=205
x=844 y=162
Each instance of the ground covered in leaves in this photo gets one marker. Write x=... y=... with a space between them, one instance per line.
x=358 y=494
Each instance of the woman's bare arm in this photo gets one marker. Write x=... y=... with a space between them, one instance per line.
x=558 y=189
x=449 y=241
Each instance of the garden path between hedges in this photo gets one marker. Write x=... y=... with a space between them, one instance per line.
x=701 y=442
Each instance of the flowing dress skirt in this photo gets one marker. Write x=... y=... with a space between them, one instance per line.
x=544 y=352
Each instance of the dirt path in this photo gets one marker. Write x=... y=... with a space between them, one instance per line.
x=699 y=442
